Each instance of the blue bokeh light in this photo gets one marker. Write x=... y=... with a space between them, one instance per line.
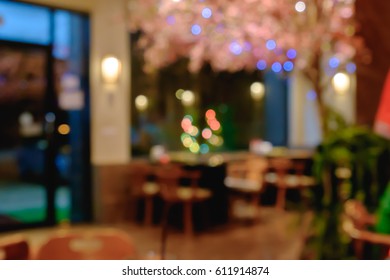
x=271 y=44
x=261 y=65
x=204 y=149
x=311 y=95
x=207 y=13
x=288 y=66
x=291 y=53
x=334 y=62
x=196 y=29
x=351 y=67
x=277 y=67
x=235 y=48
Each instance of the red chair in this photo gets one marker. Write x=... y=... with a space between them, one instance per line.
x=14 y=247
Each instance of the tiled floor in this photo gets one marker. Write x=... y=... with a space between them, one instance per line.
x=278 y=235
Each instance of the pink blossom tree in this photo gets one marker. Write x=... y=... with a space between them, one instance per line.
x=234 y=35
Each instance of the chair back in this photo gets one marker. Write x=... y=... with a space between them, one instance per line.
x=137 y=176
x=256 y=168
x=169 y=178
x=281 y=167
x=98 y=244
x=14 y=247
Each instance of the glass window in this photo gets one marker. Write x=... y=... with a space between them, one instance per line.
x=62 y=34
x=24 y=23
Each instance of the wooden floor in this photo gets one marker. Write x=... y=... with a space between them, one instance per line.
x=278 y=235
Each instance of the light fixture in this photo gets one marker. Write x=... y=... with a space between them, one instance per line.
x=141 y=102
x=188 y=98
x=341 y=83
x=257 y=91
x=111 y=69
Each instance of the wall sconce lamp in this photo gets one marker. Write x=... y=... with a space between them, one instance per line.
x=341 y=83
x=111 y=69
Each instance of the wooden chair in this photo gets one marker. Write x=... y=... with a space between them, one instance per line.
x=356 y=223
x=141 y=187
x=247 y=178
x=97 y=244
x=283 y=180
x=14 y=247
x=172 y=192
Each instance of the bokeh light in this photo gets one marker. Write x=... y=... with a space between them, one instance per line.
x=141 y=102
x=187 y=142
x=63 y=129
x=311 y=95
x=291 y=54
x=210 y=114
x=207 y=13
x=334 y=62
x=341 y=83
x=261 y=65
x=179 y=93
x=257 y=90
x=171 y=20
x=235 y=48
x=204 y=149
x=188 y=98
x=194 y=148
x=26 y=119
x=271 y=44
x=206 y=133
x=288 y=66
x=50 y=117
x=277 y=67
x=189 y=117
x=300 y=6
x=196 y=29
x=214 y=125
x=193 y=131
x=186 y=124
x=351 y=67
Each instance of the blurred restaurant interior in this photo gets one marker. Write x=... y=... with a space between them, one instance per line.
x=195 y=129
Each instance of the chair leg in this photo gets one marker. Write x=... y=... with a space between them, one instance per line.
x=281 y=198
x=255 y=199
x=148 y=219
x=164 y=231
x=187 y=219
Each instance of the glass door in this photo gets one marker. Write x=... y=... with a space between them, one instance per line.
x=28 y=171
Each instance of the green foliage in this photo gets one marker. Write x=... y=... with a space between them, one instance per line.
x=352 y=162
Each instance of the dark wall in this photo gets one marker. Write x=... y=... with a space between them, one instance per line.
x=373 y=18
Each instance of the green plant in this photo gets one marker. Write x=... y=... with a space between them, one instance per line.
x=350 y=163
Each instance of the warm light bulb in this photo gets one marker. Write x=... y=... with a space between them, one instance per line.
x=300 y=6
x=188 y=98
x=64 y=129
x=111 y=68
x=141 y=102
x=257 y=91
x=341 y=83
